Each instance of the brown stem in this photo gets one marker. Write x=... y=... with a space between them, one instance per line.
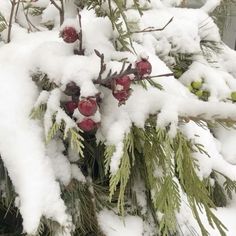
x=60 y=9
x=62 y=12
x=17 y=8
x=163 y=75
x=80 y=33
x=151 y=29
x=13 y=4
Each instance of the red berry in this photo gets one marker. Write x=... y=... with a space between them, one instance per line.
x=70 y=107
x=69 y=34
x=87 y=106
x=87 y=125
x=143 y=67
x=121 y=95
x=123 y=81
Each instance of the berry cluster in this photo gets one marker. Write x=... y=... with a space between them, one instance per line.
x=87 y=107
x=119 y=83
x=196 y=87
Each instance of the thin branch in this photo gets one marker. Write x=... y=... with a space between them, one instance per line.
x=62 y=12
x=17 y=8
x=80 y=32
x=163 y=75
x=10 y=21
x=152 y=29
x=55 y=5
x=60 y=9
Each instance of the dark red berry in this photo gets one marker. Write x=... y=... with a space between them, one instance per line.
x=87 y=125
x=70 y=107
x=123 y=82
x=143 y=67
x=72 y=89
x=69 y=34
x=121 y=95
x=87 y=106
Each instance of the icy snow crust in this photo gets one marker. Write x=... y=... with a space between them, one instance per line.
x=35 y=168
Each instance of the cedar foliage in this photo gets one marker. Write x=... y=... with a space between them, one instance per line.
x=164 y=163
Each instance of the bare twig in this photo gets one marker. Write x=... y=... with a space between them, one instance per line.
x=102 y=65
x=152 y=29
x=55 y=5
x=60 y=9
x=80 y=33
x=10 y=20
x=62 y=12
x=17 y=8
x=163 y=75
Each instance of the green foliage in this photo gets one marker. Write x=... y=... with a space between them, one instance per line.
x=182 y=63
x=75 y=140
x=71 y=133
x=169 y=166
x=194 y=188
x=80 y=201
x=109 y=151
x=121 y=176
x=38 y=112
x=35 y=11
x=3 y=23
x=43 y=81
x=161 y=176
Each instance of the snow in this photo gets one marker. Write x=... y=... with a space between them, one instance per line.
x=112 y=225
x=37 y=169
x=26 y=160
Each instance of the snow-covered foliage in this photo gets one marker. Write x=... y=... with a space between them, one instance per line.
x=190 y=92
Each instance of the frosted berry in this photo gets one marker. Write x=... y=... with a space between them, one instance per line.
x=143 y=67
x=70 y=107
x=121 y=95
x=87 y=106
x=72 y=89
x=87 y=125
x=122 y=82
x=69 y=34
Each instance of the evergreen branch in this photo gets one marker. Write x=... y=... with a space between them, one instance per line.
x=109 y=151
x=195 y=189
x=164 y=189
x=76 y=141
x=122 y=175
x=53 y=131
x=38 y=112
x=3 y=23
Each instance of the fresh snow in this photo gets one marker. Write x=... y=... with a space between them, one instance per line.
x=37 y=169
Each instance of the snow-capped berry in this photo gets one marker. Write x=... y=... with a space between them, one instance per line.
x=121 y=95
x=70 y=107
x=122 y=83
x=72 y=89
x=87 y=106
x=87 y=125
x=69 y=34
x=143 y=67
